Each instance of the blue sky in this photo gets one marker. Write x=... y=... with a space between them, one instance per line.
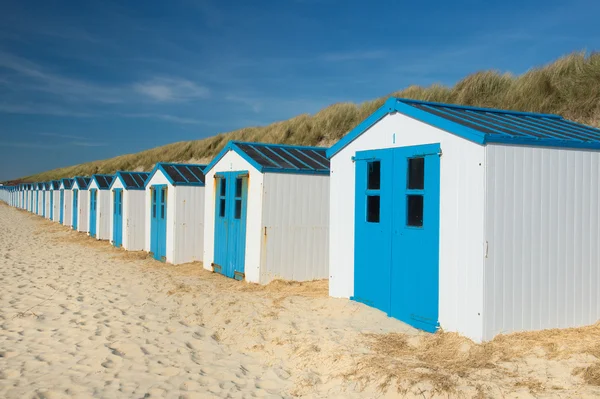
x=81 y=82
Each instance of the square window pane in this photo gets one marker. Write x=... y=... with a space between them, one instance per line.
x=374 y=175
x=222 y=207
x=223 y=187
x=414 y=210
x=373 y=202
x=416 y=173
x=238 y=209
x=238 y=187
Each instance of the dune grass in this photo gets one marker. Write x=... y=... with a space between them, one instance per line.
x=570 y=86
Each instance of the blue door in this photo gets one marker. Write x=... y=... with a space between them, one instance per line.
x=37 y=202
x=51 y=205
x=397 y=233
x=230 y=224
x=62 y=207
x=75 y=208
x=93 y=206
x=43 y=203
x=158 y=222
x=118 y=217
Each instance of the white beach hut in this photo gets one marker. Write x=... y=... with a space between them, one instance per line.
x=175 y=213
x=267 y=216
x=99 y=206
x=128 y=209
x=80 y=218
x=478 y=221
x=54 y=201
x=66 y=202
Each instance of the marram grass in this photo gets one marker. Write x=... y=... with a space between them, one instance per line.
x=570 y=87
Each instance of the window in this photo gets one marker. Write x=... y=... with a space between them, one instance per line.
x=414 y=210
x=416 y=173
x=238 y=209
x=154 y=203
x=373 y=205
x=238 y=187
x=222 y=207
x=374 y=175
x=223 y=187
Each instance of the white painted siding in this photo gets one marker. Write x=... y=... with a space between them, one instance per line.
x=103 y=214
x=83 y=218
x=40 y=203
x=188 y=224
x=47 y=203
x=56 y=206
x=134 y=222
x=67 y=208
x=542 y=218
x=461 y=217
x=231 y=161
x=295 y=225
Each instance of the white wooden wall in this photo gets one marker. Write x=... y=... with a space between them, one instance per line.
x=461 y=218
x=543 y=236
x=188 y=224
x=230 y=162
x=83 y=203
x=67 y=208
x=56 y=206
x=134 y=221
x=295 y=227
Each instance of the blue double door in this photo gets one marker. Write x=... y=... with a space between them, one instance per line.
x=396 y=243
x=158 y=222
x=230 y=224
x=75 y=208
x=93 y=211
x=117 y=218
x=43 y=203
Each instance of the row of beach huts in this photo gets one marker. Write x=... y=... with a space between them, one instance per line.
x=472 y=220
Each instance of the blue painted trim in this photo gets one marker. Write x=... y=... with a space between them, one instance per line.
x=159 y=166
x=232 y=146
x=120 y=177
x=402 y=105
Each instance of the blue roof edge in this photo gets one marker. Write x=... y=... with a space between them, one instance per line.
x=118 y=174
x=158 y=167
x=401 y=105
x=232 y=146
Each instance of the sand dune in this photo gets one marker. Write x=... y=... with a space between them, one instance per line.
x=79 y=318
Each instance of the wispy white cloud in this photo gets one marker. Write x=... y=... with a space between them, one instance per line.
x=24 y=144
x=171 y=90
x=73 y=140
x=41 y=109
x=167 y=117
x=253 y=103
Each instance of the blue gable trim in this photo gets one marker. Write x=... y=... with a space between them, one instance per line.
x=549 y=124
x=233 y=146
x=159 y=166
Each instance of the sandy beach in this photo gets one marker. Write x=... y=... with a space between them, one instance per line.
x=81 y=319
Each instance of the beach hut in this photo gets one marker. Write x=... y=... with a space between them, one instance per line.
x=99 y=206
x=54 y=201
x=80 y=204
x=267 y=216
x=128 y=208
x=66 y=202
x=40 y=199
x=175 y=214
x=478 y=221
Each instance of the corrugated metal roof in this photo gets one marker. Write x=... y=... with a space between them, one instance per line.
x=132 y=180
x=83 y=182
x=278 y=158
x=103 y=181
x=67 y=183
x=182 y=174
x=485 y=125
